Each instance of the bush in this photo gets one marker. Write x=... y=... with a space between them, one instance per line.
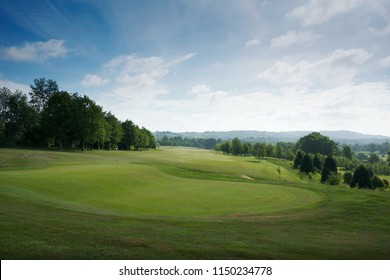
x=386 y=183
x=361 y=178
x=334 y=178
x=329 y=166
x=377 y=182
x=347 y=177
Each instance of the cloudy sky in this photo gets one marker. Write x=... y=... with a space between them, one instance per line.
x=183 y=65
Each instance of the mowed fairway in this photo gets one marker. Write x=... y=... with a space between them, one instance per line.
x=180 y=203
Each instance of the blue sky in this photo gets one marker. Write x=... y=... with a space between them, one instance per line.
x=184 y=65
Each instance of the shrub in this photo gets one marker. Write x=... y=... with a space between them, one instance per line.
x=347 y=177
x=377 y=182
x=361 y=178
x=334 y=178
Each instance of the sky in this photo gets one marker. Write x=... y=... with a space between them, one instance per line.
x=201 y=65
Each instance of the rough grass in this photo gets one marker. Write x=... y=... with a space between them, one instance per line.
x=178 y=203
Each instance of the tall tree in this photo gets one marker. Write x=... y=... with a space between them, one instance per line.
x=17 y=118
x=259 y=150
x=114 y=131
x=57 y=117
x=298 y=159
x=316 y=143
x=306 y=164
x=270 y=150
x=347 y=152
x=41 y=91
x=317 y=163
x=236 y=147
x=130 y=136
x=330 y=166
x=361 y=178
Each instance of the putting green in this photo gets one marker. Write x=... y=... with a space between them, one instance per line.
x=144 y=191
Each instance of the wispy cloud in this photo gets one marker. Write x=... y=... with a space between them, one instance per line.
x=252 y=43
x=338 y=68
x=319 y=11
x=385 y=62
x=294 y=37
x=35 y=51
x=94 y=81
x=14 y=86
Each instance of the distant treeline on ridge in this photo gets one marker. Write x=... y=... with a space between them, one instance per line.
x=51 y=117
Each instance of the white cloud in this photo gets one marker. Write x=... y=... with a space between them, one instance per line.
x=294 y=37
x=35 y=51
x=14 y=86
x=320 y=11
x=385 y=62
x=252 y=43
x=354 y=106
x=340 y=67
x=94 y=81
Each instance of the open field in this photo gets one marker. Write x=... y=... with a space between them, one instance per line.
x=180 y=203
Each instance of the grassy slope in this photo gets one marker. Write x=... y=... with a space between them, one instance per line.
x=57 y=205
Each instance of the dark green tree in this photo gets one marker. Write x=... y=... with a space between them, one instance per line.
x=316 y=143
x=347 y=177
x=298 y=159
x=373 y=158
x=361 y=178
x=130 y=135
x=317 y=163
x=329 y=166
x=377 y=182
x=114 y=131
x=236 y=147
x=57 y=118
x=259 y=150
x=41 y=91
x=17 y=118
x=306 y=164
x=270 y=150
x=347 y=152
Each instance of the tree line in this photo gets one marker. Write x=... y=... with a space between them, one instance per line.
x=202 y=143
x=50 y=117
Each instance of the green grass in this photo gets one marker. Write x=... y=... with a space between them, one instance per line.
x=180 y=203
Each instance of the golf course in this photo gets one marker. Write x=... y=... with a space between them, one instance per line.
x=180 y=203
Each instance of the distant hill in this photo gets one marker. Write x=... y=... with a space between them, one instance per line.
x=341 y=136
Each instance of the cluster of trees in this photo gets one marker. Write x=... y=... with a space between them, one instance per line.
x=359 y=174
x=372 y=148
x=51 y=117
x=202 y=143
x=282 y=150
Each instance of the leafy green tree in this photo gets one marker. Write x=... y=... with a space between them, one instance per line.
x=388 y=158
x=329 y=166
x=279 y=150
x=361 y=178
x=89 y=121
x=298 y=159
x=114 y=131
x=306 y=164
x=17 y=118
x=247 y=148
x=226 y=147
x=316 y=143
x=373 y=158
x=259 y=150
x=41 y=91
x=317 y=163
x=347 y=152
x=270 y=150
x=130 y=136
x=236 y=147
x=57 y=117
